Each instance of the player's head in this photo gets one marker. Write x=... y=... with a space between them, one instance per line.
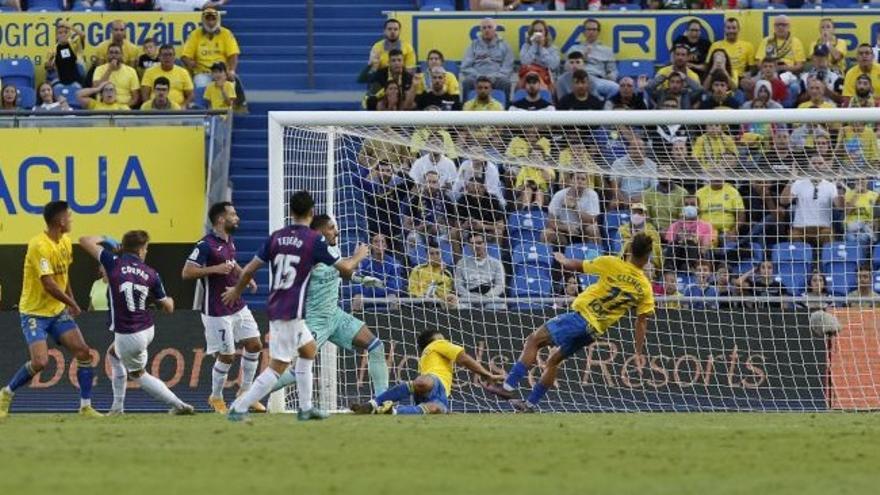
x=57 y=216
x=302 y=207
x=324 y=224
x=426 y=337
x=223 y=217
x=135 y=242
x=640 y=248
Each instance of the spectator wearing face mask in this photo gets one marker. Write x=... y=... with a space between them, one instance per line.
x=638 y=222
x=689 y=238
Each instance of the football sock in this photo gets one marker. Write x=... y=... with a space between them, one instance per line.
x=21 y=377
x=377 y=367
x=517 y=373
x=261 y=387
x=218 y=377
x=409 y=410
x=118 y=381
x=158 y=390
x=249 y=362
x=538 y=392
x=303 y=370
x=286 y=378
x=85 y=373
x=395 y=394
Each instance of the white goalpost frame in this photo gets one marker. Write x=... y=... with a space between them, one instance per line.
x=330 y=124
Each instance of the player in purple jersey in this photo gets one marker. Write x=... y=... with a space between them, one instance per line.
x=291 y=252
x=213 y=264
x=130 y=283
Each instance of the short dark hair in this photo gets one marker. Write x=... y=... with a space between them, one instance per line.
x=53 y=209
x=576 y=55
x=166 y=46
x=395 y=52
x=134 y=240
x=594 y=21
x=483 y=79
x=425 y=338
x=391 y=21
x=641 y=245
x=580 y=75
x=720 y=78
x=217 y=209
x=301 y=203
x=320 y=221
x=162 y=80
x=438 y=52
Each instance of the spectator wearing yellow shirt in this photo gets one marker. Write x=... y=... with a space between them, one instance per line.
x=680 y=57
x=638 y=222
x=221 y=94
x=722 y=206
x=124 y=78
x=436 y=59
x=859 y=203
x=741 y=53
x=816 y=95
x=483 y=99
x=181 y=84
x=130 y=51
x=836 y=46
x=784 y=47
x=209 y=44
x=391 y=41
x=709 y=148
x=106 y=99
x=431 y=280
x=858 y=143
x=160 y=99
x=533 y=181
x=865 y=66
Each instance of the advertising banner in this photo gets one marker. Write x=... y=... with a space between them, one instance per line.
x=697 y=361
x=32 y=35
x=631 y=35
x=115 y=179
x=855 y=360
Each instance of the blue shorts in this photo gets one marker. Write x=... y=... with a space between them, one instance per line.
x=437 y=395
x=571 y=332
x=37 y=328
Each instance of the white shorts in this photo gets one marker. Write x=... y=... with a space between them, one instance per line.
x=131 y=348
x=222 y=332
x=286 y=337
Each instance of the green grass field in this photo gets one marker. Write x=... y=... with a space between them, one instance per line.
x=480 y=454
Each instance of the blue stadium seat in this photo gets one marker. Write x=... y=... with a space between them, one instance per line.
x=521 y=93
x=635 y=68
x=612 y=222
x=684 y=280
x=532 y=253
x=18 y=72
x=746 y=257
x=420 y=254
x=536 y=7
x=840 y=265
x=625 y=6
x=876 y=251
x=437 y=5
x=586 y=251
x=759 y=4
x=494 y=250
x=45 y=5
x=27 y=97
x=531 y=281
x=526 y=225
x=69 y=93
x=877 y=281
x=793 y=262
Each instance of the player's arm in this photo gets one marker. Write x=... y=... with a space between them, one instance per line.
x=348 y=266
x=63 y=295
x=95 y=244
x=568 y=264
x=196 y=267
x=641 y=335
x=465 y=359
x=236 y=269
x=163 y=300
x=166 y=304
x=233 y=294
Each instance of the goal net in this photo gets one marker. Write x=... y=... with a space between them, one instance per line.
x=763 y=269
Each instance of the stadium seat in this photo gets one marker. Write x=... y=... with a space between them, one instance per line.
x=494 y=250
x=536 y=7
x=612 y=222
x=793 y=262
x=69 y=94
x=436 y=5
x=526 y=226
x=759 y=4
x=625 y=6
x=18 y=72
x=521 y=93
x=27 y=97
x=45 y=5
x=635 y=68
x=743 y=257
x=199 y=98
x=419 y=254
x=586 y=251
x=840 y=265
x=532 y=253
x=530 y=281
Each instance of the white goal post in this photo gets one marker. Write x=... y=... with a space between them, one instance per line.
x=780 y=198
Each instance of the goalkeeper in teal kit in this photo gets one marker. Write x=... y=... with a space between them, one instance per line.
x=328 y=322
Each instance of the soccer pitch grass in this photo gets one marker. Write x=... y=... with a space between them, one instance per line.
x=457 y=454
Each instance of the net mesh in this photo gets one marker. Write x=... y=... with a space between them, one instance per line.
x=763 y=268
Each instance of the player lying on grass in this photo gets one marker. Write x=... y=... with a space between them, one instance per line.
x=130 y=282
x=622 y=285
x=430 y=391
x=328 y=322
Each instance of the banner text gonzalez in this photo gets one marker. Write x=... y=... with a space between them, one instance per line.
x=115 y=179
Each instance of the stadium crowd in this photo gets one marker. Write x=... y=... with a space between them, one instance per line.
x=460 y=202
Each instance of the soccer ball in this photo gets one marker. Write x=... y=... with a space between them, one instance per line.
x=823 y=323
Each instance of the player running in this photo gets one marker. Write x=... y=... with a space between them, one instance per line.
x=47 y=308
x=291 y=253
x=621 y=285
x=130 y=282
x=213 y=264
x=430 y=391
x=328 y=322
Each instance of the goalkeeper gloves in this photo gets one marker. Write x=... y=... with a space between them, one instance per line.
x=368 y=281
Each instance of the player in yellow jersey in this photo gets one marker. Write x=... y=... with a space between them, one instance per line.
x=622 y=285
x=430 y=391
x=47 y=308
